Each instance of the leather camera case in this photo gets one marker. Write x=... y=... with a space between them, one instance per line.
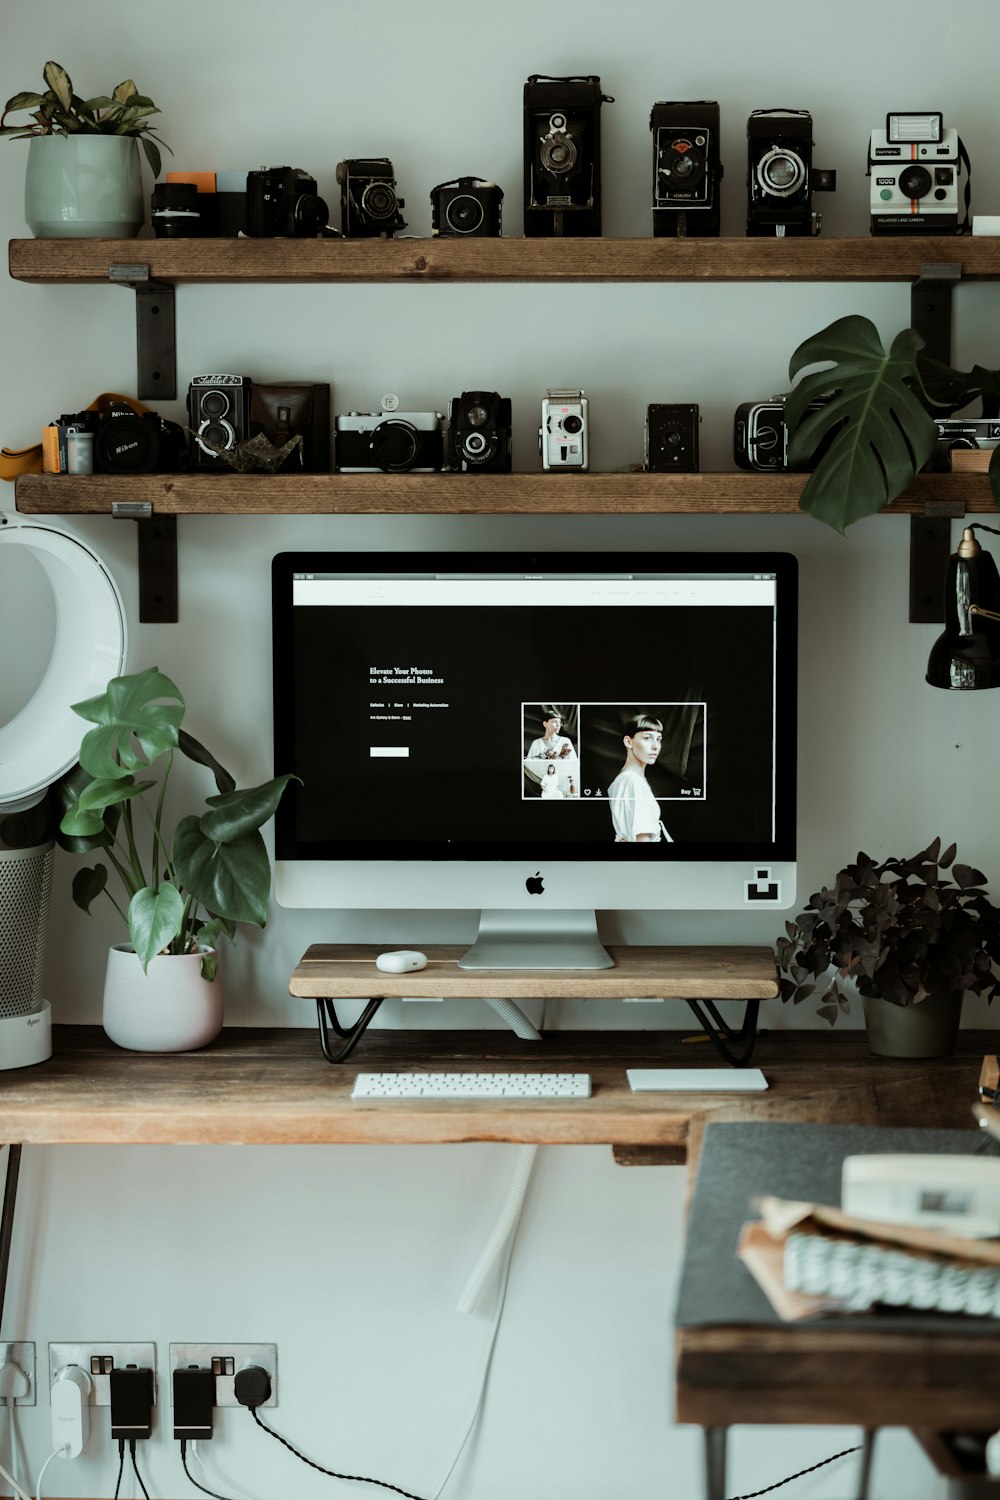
x=293 y=409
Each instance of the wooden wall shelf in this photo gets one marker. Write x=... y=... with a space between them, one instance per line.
x=417 y=260
x=464 y=494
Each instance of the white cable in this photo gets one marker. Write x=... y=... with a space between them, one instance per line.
x=14 y=1486
x=56 y=1453
x=214 y=1473
x=503 y=1230
x=516 y=1020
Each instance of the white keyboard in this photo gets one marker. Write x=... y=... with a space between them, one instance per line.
x=471 y=1086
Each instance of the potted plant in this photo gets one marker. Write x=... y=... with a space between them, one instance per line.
x=914 y=942
x=180 y=894
x=83 y=176
x=877 y=416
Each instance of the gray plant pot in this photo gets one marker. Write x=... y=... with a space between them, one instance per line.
x=84 y=187
x=929 y=1029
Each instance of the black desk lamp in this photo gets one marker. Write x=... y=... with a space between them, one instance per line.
x=967 y=655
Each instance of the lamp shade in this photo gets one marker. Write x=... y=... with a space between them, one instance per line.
x=966 y=656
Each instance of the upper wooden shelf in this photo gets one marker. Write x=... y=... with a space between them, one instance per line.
x=415 y=260
x=463 y=494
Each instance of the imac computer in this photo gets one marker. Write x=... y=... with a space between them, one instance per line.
x=537 y=737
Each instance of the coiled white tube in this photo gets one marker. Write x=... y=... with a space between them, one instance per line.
x=516 y=1020
x=503 y=1229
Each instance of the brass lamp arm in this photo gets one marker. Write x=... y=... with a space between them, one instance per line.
x=987 y=614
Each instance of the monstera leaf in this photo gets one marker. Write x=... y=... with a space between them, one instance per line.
x=879 y=431
x=133 y=728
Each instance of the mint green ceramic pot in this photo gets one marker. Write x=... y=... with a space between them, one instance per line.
x=83 y=187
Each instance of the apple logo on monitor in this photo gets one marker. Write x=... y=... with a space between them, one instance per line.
x=533 y=885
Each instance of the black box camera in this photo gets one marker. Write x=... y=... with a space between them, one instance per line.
x=218 y=416
x=562 y=155
x=781 y=178
x=469 y=205
x=283 y=202
x=479 y=432
x=671 y=438
x=369 y=207
x=686 y=169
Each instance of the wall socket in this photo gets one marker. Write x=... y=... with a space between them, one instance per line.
x=99 y=1360
x=11 y=1385
x=224 y=1360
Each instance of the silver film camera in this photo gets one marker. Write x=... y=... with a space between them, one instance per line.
x=390 y=441
x=564 y=438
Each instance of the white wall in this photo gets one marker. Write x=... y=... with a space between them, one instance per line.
x=352 y=1259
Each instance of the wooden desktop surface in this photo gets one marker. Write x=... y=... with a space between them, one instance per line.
x=263 y=1086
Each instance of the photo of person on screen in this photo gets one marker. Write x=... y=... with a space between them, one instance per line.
x=550 y=742
x=635 y=812
x=550 y=783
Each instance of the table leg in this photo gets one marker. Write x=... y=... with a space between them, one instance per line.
x=715 y=1462
x=7 y=1218
x=867 y=1456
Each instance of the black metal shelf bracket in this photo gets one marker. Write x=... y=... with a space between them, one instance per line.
x=157 y=560
x=155 y=331
x=930 y=533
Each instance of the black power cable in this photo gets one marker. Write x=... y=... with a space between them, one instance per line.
x=214 y=1493
x=135 y=1468
x=811 y=1469
x=332 y=1473
x=121 y=1466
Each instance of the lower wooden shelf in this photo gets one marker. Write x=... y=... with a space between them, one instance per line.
x=267 y=1087
x=463 y=494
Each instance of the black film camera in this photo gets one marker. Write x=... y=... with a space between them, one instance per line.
x=283 y=202
x=469 y=205
x=760 y=436
x=671 y=438
x=368 y=203
x=126 y=443
x=781 y=178
x=218 y=416
x=562 y=155
x=686 y=168
x=479 y=432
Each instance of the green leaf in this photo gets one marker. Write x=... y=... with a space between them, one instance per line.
x=66 y=793
x=195 y=750
x=209 y=933
x=124 y=91
x=209 y=966
x=154 y=920
x=23 y=101
x=103 y=101
x=152 y=155
x=126 y=712
x=14 y=133
x=58 y=81
x=88 y=885
x=237 y=814
x=994 y=476
x=230 y=880
x=880 y=432
x=101 y=794
x=85 y=825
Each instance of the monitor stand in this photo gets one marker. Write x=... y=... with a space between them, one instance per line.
x=537 y=940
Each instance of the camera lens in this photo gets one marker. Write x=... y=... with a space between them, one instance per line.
x=464 y=214
x=126 y=443
x=477 y=416
x=558 y=153
x=475 y=444
x=686 y=166
x=311 y=213
x=378 y=200
x=395 y=446
x=214 y=434
x=175 y=212
x=914 y=181
x=215 y=403
x=781 y=172
x=572 y=423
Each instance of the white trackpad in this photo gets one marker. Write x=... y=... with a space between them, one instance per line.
x=695 y=1080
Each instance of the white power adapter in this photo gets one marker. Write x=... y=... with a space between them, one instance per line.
x=71 y=1410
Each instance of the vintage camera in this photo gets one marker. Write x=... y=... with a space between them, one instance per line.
x=671 y=445
x=914 y=165
x=126 y=443
x=469 y=205
x=368 y=204
x=282 y=202
x=563 y=438
x=967 y=432
x=562 y=155
x=686 y=168
x=390 y=441
x=218 y=414
x=781 y=178
x=479 y=432
x=760 y=436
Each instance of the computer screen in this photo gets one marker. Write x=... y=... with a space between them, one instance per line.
x=511 y=730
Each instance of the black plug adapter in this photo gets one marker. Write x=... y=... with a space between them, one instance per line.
x=131 y=1403
x=194 y=1403
x=252 y=1386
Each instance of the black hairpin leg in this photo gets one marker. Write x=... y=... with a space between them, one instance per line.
x=744 y=1037
x=7 y=1218
x=325 y=1011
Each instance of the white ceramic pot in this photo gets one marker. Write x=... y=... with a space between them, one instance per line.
x=83 y=186
x=170 y=1008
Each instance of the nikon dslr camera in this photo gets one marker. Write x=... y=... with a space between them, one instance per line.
x=686 y=169
x=479 y=432
x=369 y=207
x=915 y=164
x=781 y=178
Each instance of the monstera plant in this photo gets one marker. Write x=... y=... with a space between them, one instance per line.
x=876 y=418
x=179 y=893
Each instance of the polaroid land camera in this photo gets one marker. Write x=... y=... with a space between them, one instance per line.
x=686 y=169
x=781 y=178
x=562 y=155
x=914 y=165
